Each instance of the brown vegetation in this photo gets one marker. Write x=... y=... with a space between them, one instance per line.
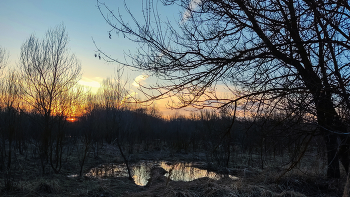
x=306 y=180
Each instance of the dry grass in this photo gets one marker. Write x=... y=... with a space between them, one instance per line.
x=206 y=187
x=305 y=180
x=36 y=187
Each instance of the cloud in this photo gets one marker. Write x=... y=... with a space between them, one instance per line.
x=139 y=79
x=188 y=12
x=93 y=84
x=131 y=94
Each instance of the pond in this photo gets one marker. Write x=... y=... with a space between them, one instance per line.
x=179 y=171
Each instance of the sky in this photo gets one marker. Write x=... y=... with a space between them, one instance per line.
x=21 y=18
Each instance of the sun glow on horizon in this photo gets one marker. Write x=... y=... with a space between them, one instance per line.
x=71 y=119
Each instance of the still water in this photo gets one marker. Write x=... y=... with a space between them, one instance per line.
x=141 y=171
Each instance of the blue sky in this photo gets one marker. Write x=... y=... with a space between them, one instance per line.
x=21 y=18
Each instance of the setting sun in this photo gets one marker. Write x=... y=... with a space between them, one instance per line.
x=72 y=119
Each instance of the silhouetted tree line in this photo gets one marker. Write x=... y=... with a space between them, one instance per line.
x=139 y=131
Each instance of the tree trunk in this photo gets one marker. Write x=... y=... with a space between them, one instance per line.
x=327 y=119
x=125 y=160
x=333 y=170
x=343 y=151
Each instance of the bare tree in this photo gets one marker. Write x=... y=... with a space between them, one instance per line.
x=87 y=138
x=3 y=62
x=48 y=71
x=90 y=126
x=3 y=57
x=269 y=54
x=65 y=105
x=10 y=123
x=114 y=101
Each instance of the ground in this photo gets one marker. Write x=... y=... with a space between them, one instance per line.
x=29 y=181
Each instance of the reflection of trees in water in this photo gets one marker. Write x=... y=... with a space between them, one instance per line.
x=141 y=171
x=186 y=172
x=108 y=170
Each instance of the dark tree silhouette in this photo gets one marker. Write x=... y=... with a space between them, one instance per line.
x=3 y=62
x=48 y=71
x=114 y=100
x=10 y=123
x=270 y=54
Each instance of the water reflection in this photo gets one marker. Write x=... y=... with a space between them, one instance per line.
x=141 y=171
x=186 y=172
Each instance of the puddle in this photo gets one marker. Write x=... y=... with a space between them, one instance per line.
x=73 y=175
x=141 y=171
x=186 y=172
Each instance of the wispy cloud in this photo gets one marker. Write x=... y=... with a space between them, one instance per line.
x=139 y=79
x=92 y=84
x=188 y=12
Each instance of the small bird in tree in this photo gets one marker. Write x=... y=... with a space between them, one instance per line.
x=109 y=35
x=95 y=55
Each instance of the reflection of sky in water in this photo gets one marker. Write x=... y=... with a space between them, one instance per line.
x=186 y=172
x=141 y=171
